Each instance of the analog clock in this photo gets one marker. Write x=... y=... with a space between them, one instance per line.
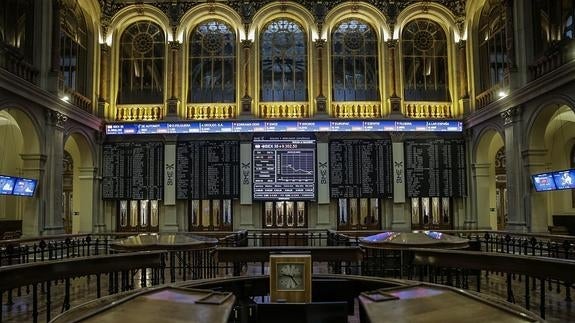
x=290 y=278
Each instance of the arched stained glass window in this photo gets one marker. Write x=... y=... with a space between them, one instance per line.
x=73 y=48
x=283 y=62
x=354 y=62
x=425 y=73
x=142 y=52
x=492 y=45
x=212 y=63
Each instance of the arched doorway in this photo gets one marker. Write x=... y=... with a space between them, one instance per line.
x=550 y=141
x=20 y=156
x=68 y=190
x=500 y=189
x=78 y=186
x=489 y=179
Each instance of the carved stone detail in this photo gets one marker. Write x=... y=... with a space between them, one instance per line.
x=510 y=115
x=56 y=118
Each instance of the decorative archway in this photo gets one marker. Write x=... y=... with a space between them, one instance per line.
x=78 y=193
x=484 y=179
x=21 y=156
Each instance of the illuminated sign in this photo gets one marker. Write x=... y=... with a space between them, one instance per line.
x=282 y=126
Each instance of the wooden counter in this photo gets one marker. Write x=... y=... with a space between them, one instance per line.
x=168 y=304
x=431 y=303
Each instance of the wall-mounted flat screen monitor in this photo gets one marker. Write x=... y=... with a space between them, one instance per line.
x=6 y=184
x=543 y=182
x=284 y=168
x=24 y=187
x=564 y=179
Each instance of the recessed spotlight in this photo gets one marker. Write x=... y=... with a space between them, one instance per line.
x=502 y=94
x=65 y=98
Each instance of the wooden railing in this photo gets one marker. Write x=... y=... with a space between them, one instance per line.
x=336 y=260
x=531 y=271
x=356 y=110
x=45 y=274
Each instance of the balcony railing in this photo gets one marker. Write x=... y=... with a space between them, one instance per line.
x=356 y=110
x=211 y=111
x=14 y=63
x=546 y=64
x=139 y=112
x=428 y=110
x=284 y=110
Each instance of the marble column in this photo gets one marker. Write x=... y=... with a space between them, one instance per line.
x=480 y=217
x=537 y=211
x=517 y=220
x=394 y=99
x=33 y=166
x=85 y=200
x=103 y=96
x=246 y=104
x=321 y=100
x=174 y=94
x=401 y=216
x=52 y=179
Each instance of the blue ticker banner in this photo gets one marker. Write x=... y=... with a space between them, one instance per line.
x=240 y=126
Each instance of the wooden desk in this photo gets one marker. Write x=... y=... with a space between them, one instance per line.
x=431 y=303
x=167 y=304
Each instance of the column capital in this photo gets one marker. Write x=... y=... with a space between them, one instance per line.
x=175 y=45
x=510 y=115
x=56 y=118
x=319 y=43
x=105 y=48
x=397 y=136
x=247 y=43
x=391 y=43
x=461 y=44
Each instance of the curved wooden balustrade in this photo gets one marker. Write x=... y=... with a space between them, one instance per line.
x=45 y=273
x=543 y=269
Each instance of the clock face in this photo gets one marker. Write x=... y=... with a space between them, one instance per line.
x=290 y=276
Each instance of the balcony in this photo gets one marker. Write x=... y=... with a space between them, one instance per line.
x=284 y=110
x=139 y=112
x=356 y=110
x=211 y=111
x=428 y=110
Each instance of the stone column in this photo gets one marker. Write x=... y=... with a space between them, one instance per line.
x=169 y=219
x=462 y=74
x=480 y=217
x=394 y=99
x=85 y=199
x=247 y=214
x=174 y=93
x=537 y=208
x=323 y=198
x=321 y=100
x=401 y=217
x=54 y=73
x=54 y=143
x=33 y=166
x=104 y=96
x=514 y=169
x=246 y=104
